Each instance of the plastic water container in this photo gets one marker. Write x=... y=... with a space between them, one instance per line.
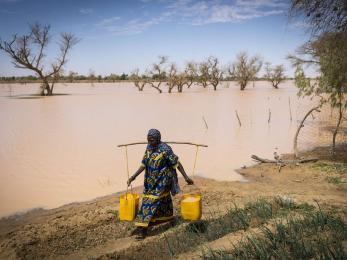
x=191 y=207
x=128 y=206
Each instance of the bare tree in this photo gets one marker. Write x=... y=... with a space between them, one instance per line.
x=139 y=82
x=72 y=75
x=28 y=52
x=181 y=80
x=172 y=77
x=191 y=73
x=274 y=74
x=245 y=69
x=215 y=73
x=177 y=79
x=203 y=74
x=158 y=73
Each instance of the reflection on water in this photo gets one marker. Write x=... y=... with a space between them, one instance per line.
x=60 y=149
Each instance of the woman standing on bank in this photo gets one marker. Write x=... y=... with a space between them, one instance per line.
x=160 y=182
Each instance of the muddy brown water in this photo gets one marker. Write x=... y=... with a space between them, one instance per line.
x=61 y=149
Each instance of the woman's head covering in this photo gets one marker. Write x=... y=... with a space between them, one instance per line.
x=155 y=134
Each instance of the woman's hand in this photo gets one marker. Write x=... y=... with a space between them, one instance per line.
x=131 y=179
x=189 y=181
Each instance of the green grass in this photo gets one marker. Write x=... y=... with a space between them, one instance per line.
x=335 y=180
x=315 y=235
x=300 y=231
x=340 y=168
x=253 y=214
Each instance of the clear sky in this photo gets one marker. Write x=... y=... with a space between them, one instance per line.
x=118 y=36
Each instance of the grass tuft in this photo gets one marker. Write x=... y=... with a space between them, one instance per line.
x=315 y=235
x=335 y=180
x=340 y=168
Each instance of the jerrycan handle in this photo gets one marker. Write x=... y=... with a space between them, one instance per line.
x=198 y=190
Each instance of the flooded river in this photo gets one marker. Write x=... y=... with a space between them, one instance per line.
x=61 y=149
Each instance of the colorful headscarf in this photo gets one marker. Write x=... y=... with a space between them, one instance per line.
x=155 y=134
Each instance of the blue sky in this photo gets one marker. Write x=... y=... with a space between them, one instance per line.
x=120 y=35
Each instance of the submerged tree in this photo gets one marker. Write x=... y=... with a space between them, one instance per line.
x=91 y=77
x=172 y=77
x=274 y=74
x=157 y=73
x=209 y=72
x=28 y=52
x=215 y=73
x=327 y=51
x=177 y=79
x=139 y=82
x=191 y=73
x=72 y=76
x=203 y=74
x=245 y=69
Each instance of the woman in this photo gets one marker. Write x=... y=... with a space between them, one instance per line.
x=160 y=164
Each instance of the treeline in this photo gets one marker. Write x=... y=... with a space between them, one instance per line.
x=163 y=73
x=78 y=78
x=207 y=73
x=75 y=77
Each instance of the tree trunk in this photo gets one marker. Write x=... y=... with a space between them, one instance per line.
x=296 y=153
x=337 y=127
x=156 y=87
x=45 y=87
x=42 y=90
x=50 y=91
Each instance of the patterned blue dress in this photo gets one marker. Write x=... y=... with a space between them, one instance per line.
x=160 y=177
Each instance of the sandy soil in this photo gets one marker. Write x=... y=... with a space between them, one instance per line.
x=91 y=229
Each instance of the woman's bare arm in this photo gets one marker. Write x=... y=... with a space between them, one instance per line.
x=183 y=172
x=137 y=173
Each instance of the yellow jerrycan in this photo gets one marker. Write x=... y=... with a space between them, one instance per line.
x=128 y=206
x=191 y=207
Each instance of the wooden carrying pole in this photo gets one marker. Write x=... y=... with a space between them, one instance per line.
x=126 y=155
x=188 y=143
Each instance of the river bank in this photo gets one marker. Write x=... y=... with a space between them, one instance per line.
x=92 y=229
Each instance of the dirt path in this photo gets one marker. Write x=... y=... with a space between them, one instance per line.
x=91 y=229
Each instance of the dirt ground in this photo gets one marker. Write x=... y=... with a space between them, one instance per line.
x=92 y=230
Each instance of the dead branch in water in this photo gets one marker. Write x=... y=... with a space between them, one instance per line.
x=203 y=118
x=238 y=118
x=284 y=162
